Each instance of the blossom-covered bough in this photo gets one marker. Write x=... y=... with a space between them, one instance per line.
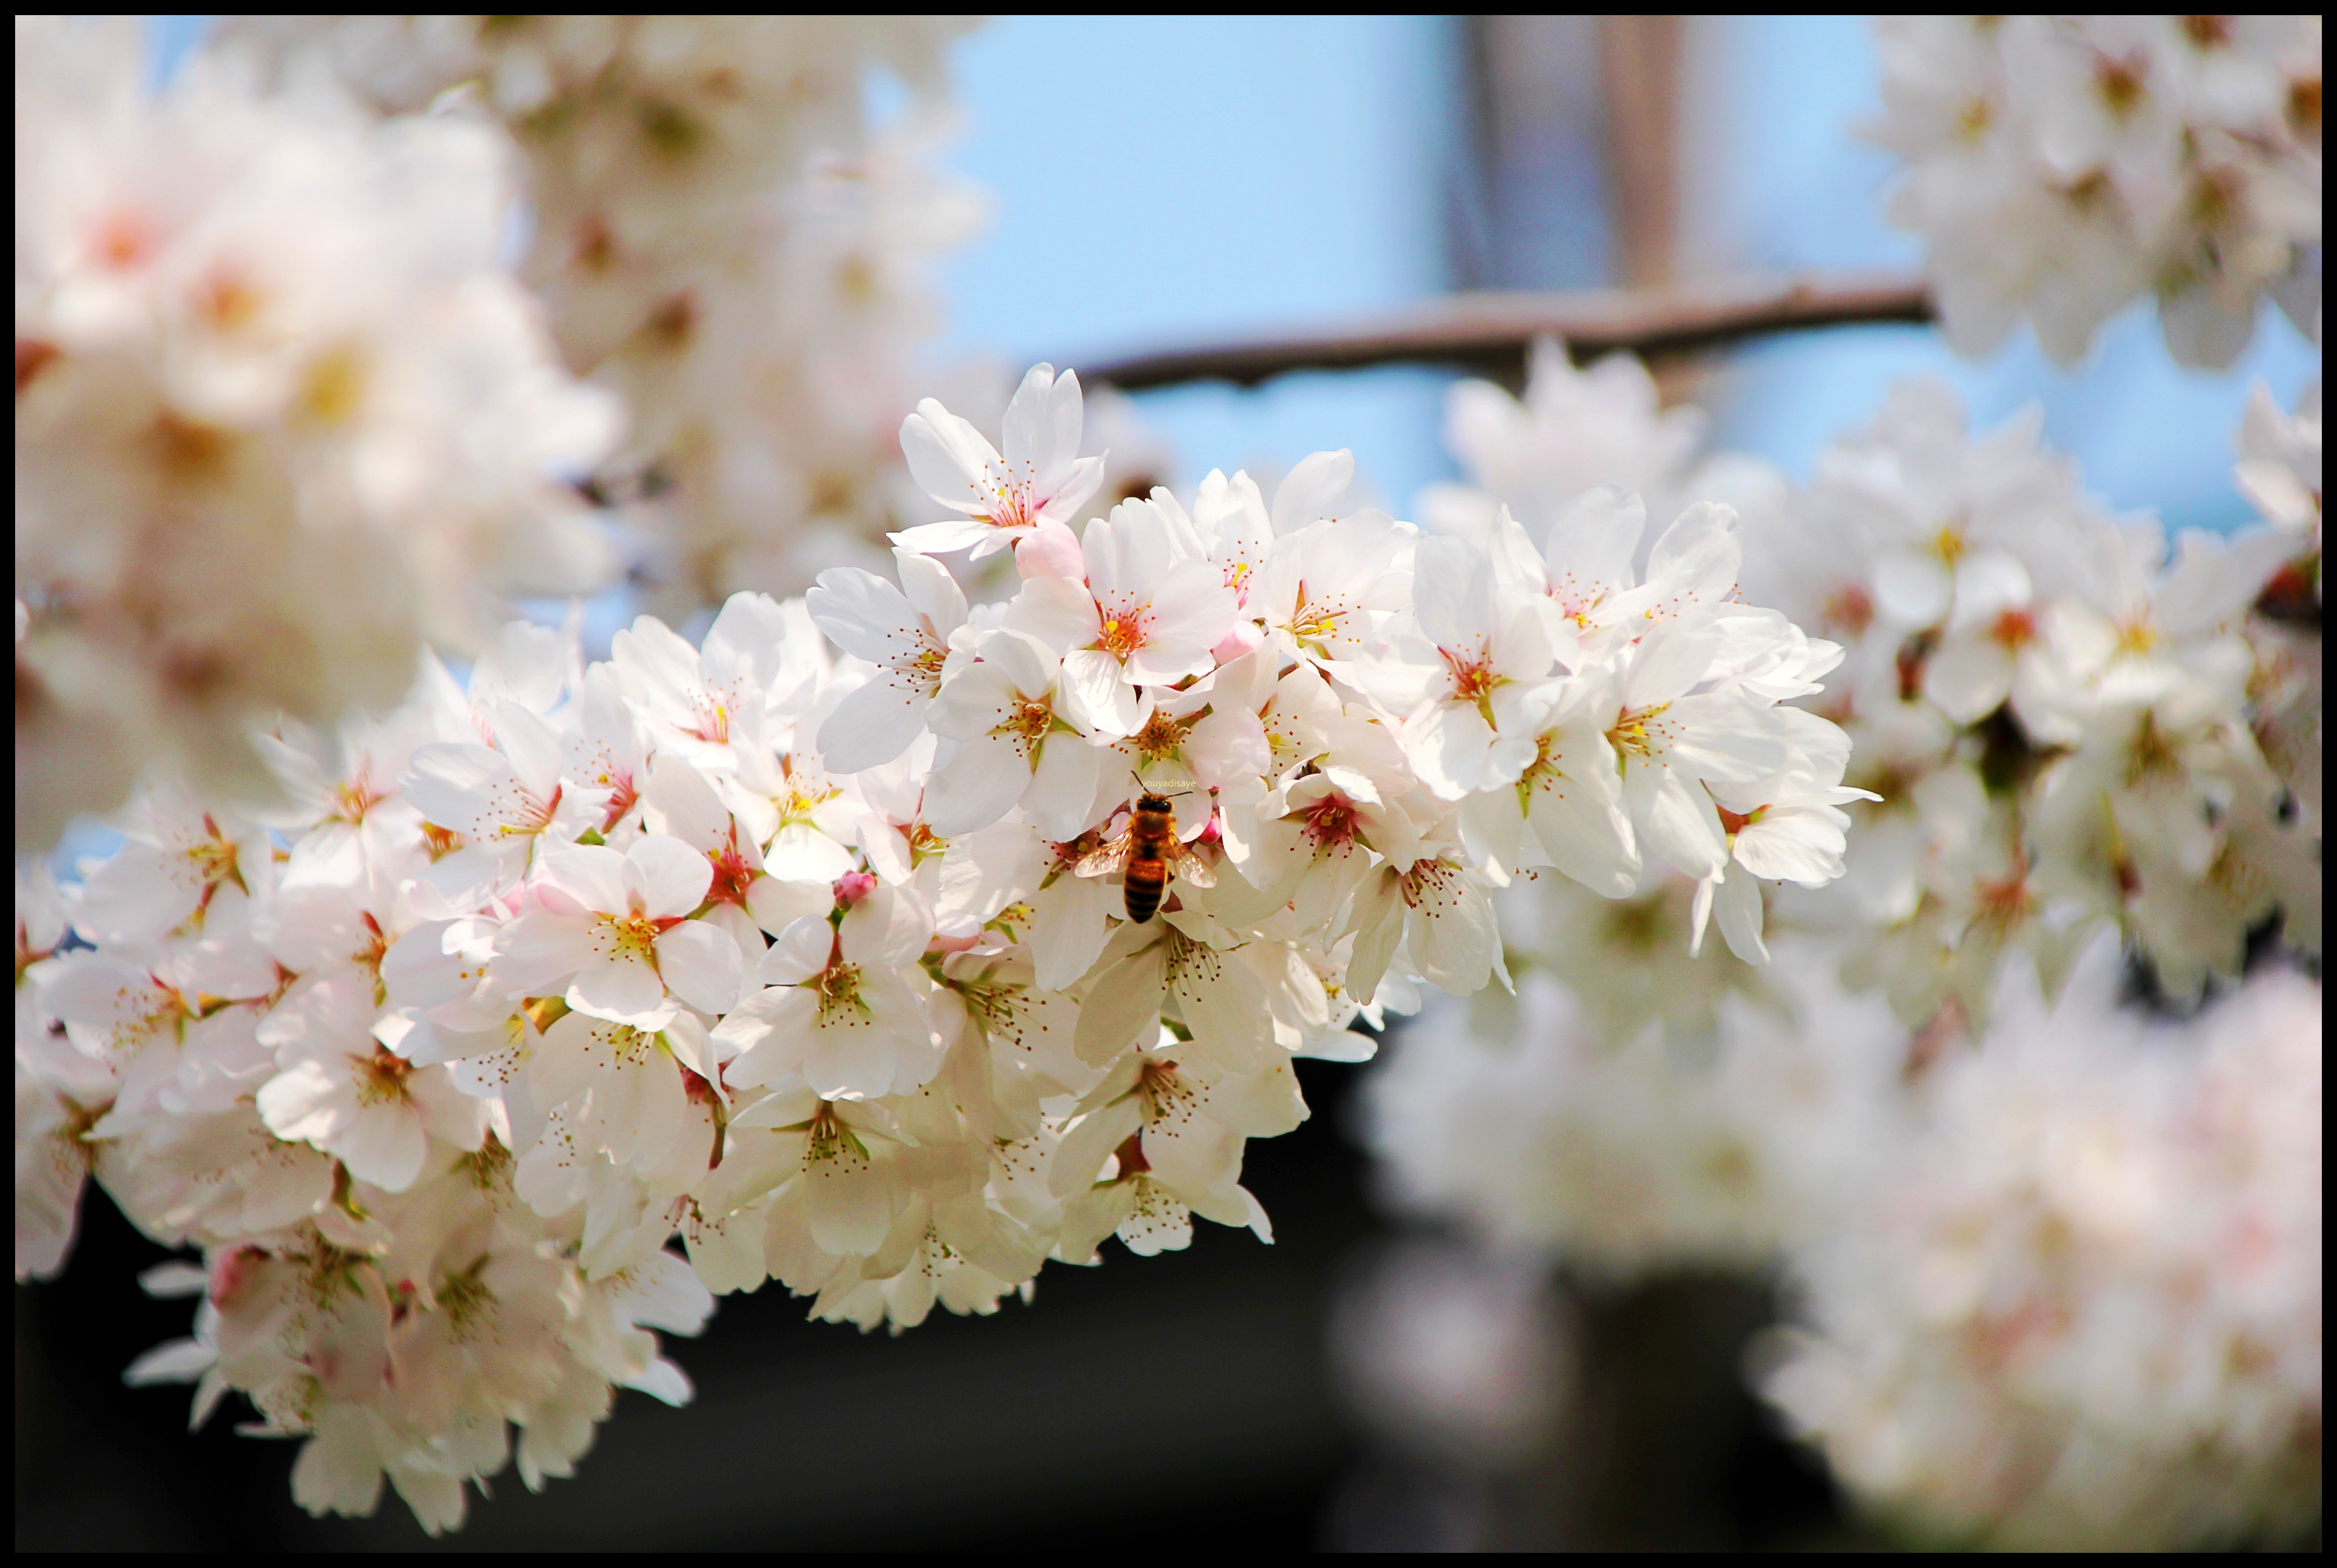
x=720 y=235
x=790 y=945
x=2026 y=1107
x=2062 y=166
x=281 y=416
x=2026 y=1103
x=1909 y=877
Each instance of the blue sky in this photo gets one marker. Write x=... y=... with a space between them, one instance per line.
x=1793 y=187
x=1168 y=181
x=1163 y=182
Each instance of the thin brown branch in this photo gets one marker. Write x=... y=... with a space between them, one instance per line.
x=1491 y=332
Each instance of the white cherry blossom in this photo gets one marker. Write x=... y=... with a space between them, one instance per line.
x=835 y=1008
x=903 y=631
x=1003 y=498
x=612 y=934
x=1145 y=615
x=1022 y=723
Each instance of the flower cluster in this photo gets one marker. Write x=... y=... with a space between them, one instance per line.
x=2069 y=728
x=2060 y=166
x=2061 y=730
x=2063 y=1261
x=1627 y=1146
x=2081 y=1307
x=1574 y=431
x=889 y=974
x=720 y=237
x=1646 y=1101
x=281 y=416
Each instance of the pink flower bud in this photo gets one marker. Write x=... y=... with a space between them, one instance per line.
x=853 y=887
x=230 y=1269
x=1246 y=637
x=1054 y=551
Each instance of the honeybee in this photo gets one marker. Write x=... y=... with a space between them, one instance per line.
x=1147 y=852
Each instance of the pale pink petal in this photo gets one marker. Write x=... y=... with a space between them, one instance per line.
x=865 y=615
x=1674 y=820
x=849 y=1205
x=1062 y=794
x=1095 y=696
x=891 y=927
x=1058 y=612
x=674 y=877
x=591 y=876
x=384 y=1144
x=304 y=1103
x=1737 y=906
x=948 y=458
x=1669 y=660
x=777 y=904
x=770 y=1030
x=701 y=965
x=1581 y=828
x=1723 y=737
x=930 y=589
x=802 y=853
x=800 y=951
x=977 y=786
x=535 y=953
x=874 y=723
x=1792 y=846
x=1968 y=677
x=622 y=988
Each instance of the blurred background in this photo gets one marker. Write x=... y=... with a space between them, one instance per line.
x=1160 y=183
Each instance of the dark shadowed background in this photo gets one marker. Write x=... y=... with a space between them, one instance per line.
x=1179 y=1401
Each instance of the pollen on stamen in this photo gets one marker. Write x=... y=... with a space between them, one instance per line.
x=2015 y=629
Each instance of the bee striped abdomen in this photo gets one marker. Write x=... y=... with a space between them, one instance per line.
x=1151 y=830
x=1140 y=887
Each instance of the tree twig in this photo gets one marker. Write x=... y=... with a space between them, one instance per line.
x=1491 y=332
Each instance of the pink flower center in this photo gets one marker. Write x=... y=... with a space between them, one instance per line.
x=1473 y=679
x=381 y=1078
x=1331 y=823
x=733 y=873
x=1123 y=632
x=2015 y=629
x=622 y=794
x=1850 y=609
x=635 y=937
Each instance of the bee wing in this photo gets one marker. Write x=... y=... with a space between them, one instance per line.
x=1190 y=867
x=1105 y=858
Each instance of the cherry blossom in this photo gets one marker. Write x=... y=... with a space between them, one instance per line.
x=834 y=1006
x=1023 y=722
x=1003 y=497
x=906 y=633
x=813 y=952
x=614 y=931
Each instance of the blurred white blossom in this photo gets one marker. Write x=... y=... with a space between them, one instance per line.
x=281 y=416
x=2060 y=166
x=2060 y=715
x=2081 y=1305
x=1641 y=1150
x=720 y=235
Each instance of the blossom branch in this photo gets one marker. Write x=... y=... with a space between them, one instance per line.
x=1491 y=331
